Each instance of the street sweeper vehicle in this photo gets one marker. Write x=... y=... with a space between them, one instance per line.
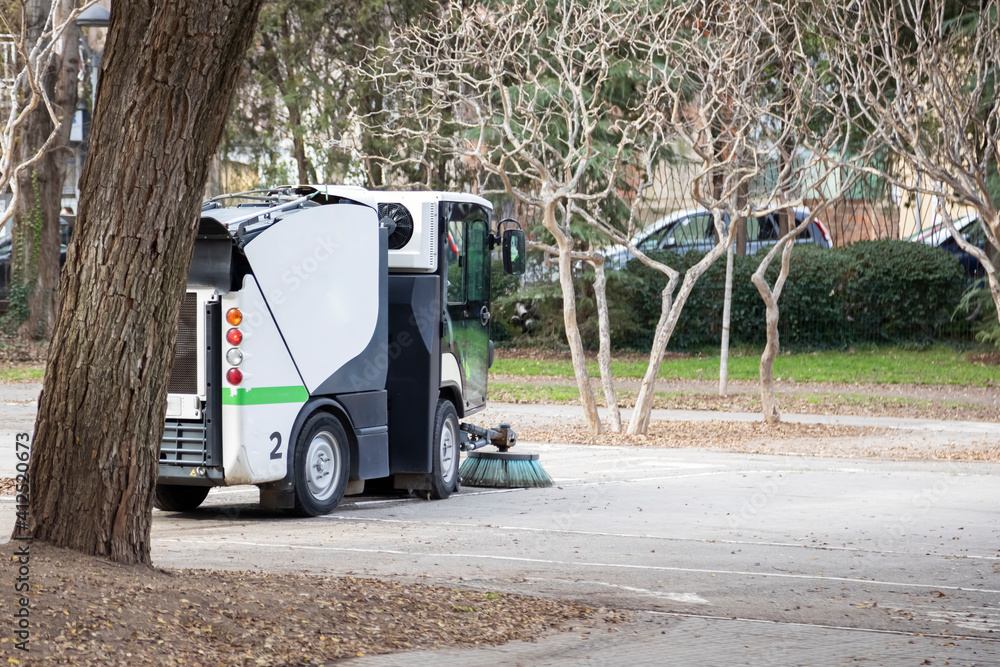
x=331 y=335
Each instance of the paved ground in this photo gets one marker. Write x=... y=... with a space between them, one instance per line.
x=717 y=559
x=656 y=639
x=18 y=402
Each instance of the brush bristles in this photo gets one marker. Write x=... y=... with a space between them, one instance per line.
x=500 y=473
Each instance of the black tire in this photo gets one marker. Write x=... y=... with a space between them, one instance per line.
x=322 y=465
x=176 y=498
x=445 y=451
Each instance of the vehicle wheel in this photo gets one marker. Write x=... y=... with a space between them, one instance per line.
x=322 y=465
x=444 y=473
x=176 y=498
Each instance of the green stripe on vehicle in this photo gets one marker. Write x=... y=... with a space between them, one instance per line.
x=265 y=395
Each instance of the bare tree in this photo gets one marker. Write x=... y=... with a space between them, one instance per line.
x=518 y=94
x=36 y=232
x=761 y=148
x=165 y=88
x=924 y=75
x=770 y=294
x=25 y=92
x=596 y=261
x=806 y=128
x=524 y=93
x=727 y=305
x=713 y=61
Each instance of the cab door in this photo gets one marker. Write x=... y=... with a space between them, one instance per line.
x=467 y=325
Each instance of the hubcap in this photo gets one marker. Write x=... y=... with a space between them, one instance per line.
x=448 y=450
x=322 y=465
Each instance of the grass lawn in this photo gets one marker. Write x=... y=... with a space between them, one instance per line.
x=14 y=374
x=939 y=365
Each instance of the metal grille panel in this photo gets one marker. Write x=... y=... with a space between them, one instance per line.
x=184 y=375
x=185 y=443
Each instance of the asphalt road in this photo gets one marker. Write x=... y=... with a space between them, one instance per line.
x=717 y=558
x=908 y=547
x=905 y=548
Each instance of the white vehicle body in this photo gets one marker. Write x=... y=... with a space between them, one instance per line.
x=306 y=307
x=970 y=228
x=939 y=232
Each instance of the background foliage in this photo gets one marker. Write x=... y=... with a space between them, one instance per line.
x=870 y=292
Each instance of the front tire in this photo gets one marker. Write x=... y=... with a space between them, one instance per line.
x=322 y=466
x=444 y=472
x=176 y=498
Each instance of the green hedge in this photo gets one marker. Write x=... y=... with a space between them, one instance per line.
x=872 y=291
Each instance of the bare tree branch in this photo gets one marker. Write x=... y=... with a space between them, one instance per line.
x=924 y=77
x=26 y=94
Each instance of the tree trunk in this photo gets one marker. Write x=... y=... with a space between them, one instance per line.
x=985 y=257
x=740 y=231
x=35 y=233
x=288 y=85
x=306 y=170
x=994 y=285
x=670 y=312
x=727 y=308
x=565 y=245
x=639 y=422
x=41 y=188
x=165 y=87
x=991 y=228
x=741 y=237
x=786 y=220
x=604 y=351
x=304 y=167
x=370 y=102
x=768 y=402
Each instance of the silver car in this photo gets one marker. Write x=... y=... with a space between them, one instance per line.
x=693 y=229
x=971 y=229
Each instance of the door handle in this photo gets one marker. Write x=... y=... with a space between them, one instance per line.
x=484 y=316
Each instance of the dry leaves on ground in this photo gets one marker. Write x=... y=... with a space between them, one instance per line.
x=985 y=358
x=866 y=403
x=837 y=404
x=16 y=352
x=86 y=610
x=783 y=438
x=6 y=486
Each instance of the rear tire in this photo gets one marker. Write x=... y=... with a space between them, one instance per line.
x=322 y=465
x=176 y=498
x=446 y=447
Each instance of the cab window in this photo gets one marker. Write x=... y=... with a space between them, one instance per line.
x=456 y=261
x=467 y=251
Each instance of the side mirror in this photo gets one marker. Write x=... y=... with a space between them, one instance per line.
x=513 y=252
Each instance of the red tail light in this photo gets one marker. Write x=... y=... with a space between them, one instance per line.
x=234 y=376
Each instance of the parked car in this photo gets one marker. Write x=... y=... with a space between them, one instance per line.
x=693 y=229
x=971 y=228
x=65 y=231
